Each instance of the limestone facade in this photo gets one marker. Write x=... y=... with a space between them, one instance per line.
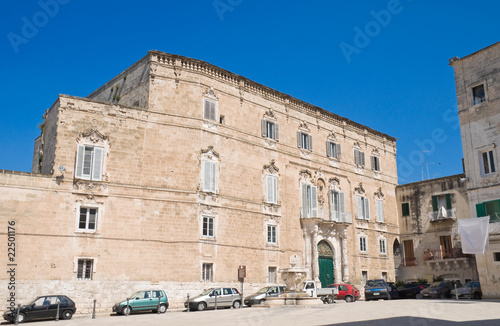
x=176 y=172
x=477 y=79
x=430 y=243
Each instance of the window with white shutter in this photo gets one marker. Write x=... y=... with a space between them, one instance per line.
x=271 y=189
x=359 y=158
x=309 y=201
x=271 y=234
x=380 y=211
x=270 y=129
x=210 y=110
x=209 y=176
x=337 y=206
x=88 y=218
x=382 y=245
x=363 y=208
x=333 y=150
x=487 y=163
x=89 y=162
x=304 y=141
x=375 y=160
x=362 y=244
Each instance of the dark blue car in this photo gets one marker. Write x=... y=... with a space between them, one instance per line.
x=380 y=289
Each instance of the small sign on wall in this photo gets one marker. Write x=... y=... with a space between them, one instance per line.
x=242 y=272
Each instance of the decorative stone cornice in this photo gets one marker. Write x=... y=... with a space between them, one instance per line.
x=379 y=193
x=271 y=167
x=359 y=189
x=305 y=174
x=209 y=152
x=92 y=135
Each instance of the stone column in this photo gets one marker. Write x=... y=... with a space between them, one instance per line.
x=314 y=247
x=345 y=264
x=307 y=251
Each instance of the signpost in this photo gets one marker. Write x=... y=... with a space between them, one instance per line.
x=242 y=273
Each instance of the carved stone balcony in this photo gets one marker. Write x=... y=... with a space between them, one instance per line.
x=443 y=215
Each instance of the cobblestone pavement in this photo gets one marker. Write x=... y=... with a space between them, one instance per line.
x=394 y=312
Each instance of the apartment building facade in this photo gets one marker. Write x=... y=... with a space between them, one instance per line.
x=176 y=172
x=478 y=96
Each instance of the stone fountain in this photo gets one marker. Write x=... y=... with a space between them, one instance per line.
x=294 y=278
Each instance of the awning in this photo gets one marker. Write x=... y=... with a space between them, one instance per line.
x=474 y=234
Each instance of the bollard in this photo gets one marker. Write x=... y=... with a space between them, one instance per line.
x=17 y=314
x=456 y=292
x=57 y=314
x=158 y=308
x=188 y=303
x=93 y=310
x=215 y=301
x=128 y=308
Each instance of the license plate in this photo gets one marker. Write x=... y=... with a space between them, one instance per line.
x=376 y=293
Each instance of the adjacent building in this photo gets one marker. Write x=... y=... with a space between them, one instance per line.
x=176 y=173
x=477 y=79
x=430 y=243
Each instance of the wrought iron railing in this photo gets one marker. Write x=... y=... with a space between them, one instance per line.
x=443 y=214
x=441 y=254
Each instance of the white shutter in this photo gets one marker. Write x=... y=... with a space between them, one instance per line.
x=275 y=190
x=360 y=207
x=79 y=161
x=342 y=206
x=332 y=204
x=263 y=128
x=338 y=151
x=299 y=139
x=328 y=149
x=305 y=201
x=362 y=156
x=380 y=211
x=310 y=142
x=271 y=191
x=356 y=157
x=367 y=209
x=372 y=159
x=314 y=201
x=277 y=132
x=208 y=176
x=97 y=163
x=206 y=109
x=481 y=164
x=213 y=111
x=214 y=176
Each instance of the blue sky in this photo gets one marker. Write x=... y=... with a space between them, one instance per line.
x=380 y=63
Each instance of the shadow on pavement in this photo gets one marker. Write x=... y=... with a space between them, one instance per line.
x=418 y=321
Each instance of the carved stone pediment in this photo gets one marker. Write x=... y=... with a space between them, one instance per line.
x=269 y=114
x=89 y=186
x=90 y=199
x=359 y=189
x=334 y=183
x=375 y=152
x=305 y=175
x=210 y=93
x=304 y=126
x=271 y=167
x=356 y=145
x=209 y=153
x=332 y=136
x=379 y=194
x=93 y=135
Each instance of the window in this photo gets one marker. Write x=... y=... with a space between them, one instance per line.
x=270 y=129
x=363 y=208
x=84 y=271
x=446 y=246
x=209 y=176
x=309 y=201
x=405 y=208
x=382 y=246
x=362 y=243
x=359 y=158
x=380 y=211
x=375 y=163
x=271 y=234
x=384 y=276
x=486 y=163
x=364 y=277
x=88 y=219
x=337 y=206
x=210 y=110
x=441 y=206
x=333 y=150
x=89 y=162
x=478 y=95
x=409 y=259
x=207 y=272
x=208 y=226
x=496 y=256
x=271 y=189
x=489 y=208
x=271 y=274
x=304 y=141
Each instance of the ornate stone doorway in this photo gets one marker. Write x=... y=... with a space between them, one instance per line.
x=325 y=264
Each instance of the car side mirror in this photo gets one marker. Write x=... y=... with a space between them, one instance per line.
x=137 y=298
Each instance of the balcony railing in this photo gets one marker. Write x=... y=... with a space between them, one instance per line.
x=445 y=254
x=410 y=261
x=306 y=212
x=443 y=214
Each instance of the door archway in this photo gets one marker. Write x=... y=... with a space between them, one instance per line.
x=325 y=263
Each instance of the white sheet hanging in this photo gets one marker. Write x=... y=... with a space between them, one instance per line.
x=474 y=234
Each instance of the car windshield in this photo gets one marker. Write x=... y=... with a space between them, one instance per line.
x=207 y=291
x=134 y=295
x=263 y=290
x=437 y=284
x=375 y=283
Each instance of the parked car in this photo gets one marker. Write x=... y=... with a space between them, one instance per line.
x=377 y=289
x=325 y=294
x=393 y=290
x=411 y=290
x=261 y=295
x=469 y=290
x=153 y=300
x=440 y=289
x=346 y=292
x=226 y=298
x=43 y=307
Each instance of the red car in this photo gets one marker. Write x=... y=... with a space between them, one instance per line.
x=347 y=292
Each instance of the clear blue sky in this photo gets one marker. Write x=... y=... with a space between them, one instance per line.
x=392 y=76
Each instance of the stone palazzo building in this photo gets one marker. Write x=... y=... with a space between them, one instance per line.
x=176 y=172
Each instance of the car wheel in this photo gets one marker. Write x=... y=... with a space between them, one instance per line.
x=236 y=305
x=477 y=296
x=348 y=299
x=21 y=318
x=67 y=314
x=126 y=310
x=329 y=299
x=163 y=309
x=262 y=301
x=202 y=306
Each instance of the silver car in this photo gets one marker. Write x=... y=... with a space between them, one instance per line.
x=223 y=297
x=469 y=290
x=261 y=295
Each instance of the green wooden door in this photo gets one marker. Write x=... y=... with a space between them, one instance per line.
x=326 y=271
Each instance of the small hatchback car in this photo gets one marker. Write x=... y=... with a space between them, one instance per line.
x=155 y=300
x=264 y=293
x=347 y=292
x=377 y=289
x=43 y=307
x=224 y=297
